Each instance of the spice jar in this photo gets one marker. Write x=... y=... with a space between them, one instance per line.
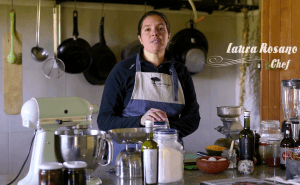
x=273 y=159
x=170 y=156
x=75 y=173
x=264 y=150
x=50 y=173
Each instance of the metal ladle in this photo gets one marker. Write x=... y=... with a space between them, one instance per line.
x=37 y=53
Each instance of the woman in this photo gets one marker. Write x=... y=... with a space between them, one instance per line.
x=150 y=86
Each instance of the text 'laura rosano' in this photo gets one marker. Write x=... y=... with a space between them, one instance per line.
x=276 y=63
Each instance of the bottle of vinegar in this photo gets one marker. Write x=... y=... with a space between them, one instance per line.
x=149 y=151
x=287 y=145
x=246 y=140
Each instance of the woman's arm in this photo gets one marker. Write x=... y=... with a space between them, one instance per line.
x=112 y=103
x=189 y=119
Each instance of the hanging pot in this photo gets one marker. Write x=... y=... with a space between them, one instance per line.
x=190 y=47
x=103 y=60
x=75 y=52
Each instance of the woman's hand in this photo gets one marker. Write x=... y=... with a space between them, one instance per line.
x=154 y=115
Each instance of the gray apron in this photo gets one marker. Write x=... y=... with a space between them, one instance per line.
x=153 y=90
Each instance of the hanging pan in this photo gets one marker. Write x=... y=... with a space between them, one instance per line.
x=103 y=60
x=190 y=46
x=75 y=52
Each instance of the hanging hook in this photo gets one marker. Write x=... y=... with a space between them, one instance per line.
x=75 y=5
x=102 y=8
x=12 y=4
x=145 y=6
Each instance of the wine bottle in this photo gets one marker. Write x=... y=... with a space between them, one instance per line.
x=149 y=151
x=246 y=140
x=287 y=145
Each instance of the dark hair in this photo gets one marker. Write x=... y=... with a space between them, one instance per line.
x=153 y=13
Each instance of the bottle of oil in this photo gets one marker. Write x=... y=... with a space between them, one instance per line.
x=246 y=140
x=149 y=151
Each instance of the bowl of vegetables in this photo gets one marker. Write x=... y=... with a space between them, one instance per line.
x=212 y=164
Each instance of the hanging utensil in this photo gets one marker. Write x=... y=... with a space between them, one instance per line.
x=11 y=58
x=39 y=54
x=54 y=67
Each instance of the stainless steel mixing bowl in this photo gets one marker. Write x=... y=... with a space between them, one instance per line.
x=83 y=145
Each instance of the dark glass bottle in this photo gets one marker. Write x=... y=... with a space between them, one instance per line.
x=149 y=151
x=287 y=145
x=297 y=146
x=246 y=140
x=256 y=151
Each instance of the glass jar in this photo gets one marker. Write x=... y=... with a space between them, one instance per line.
x=170 y=156
x=264 y=150
x=231 y=157
x=75 y=173
x=273 y=159
x=269 y=128
x=50 y=173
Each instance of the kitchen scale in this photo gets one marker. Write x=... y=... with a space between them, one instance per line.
x=47 y=115
x=128 y=162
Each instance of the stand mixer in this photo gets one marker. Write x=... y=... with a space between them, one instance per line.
x=47 y=115
x=230 y=117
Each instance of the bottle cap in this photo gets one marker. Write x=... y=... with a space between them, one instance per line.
x=247 y=113
x=149 y=123
x=50 y=166
x=75 y=164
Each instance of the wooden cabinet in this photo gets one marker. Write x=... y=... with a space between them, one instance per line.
x=280 y=26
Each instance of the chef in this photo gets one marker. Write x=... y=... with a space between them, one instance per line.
x=149 y=86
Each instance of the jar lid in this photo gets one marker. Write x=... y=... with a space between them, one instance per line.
x=75 y=164
x=50 y=166
x=166 y=131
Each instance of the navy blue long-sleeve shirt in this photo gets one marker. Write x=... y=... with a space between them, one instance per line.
x=118 y=90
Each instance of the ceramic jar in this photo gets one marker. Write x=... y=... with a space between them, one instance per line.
x=245 y=167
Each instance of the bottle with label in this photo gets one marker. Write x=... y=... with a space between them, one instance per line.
x=297 y=147
x=149 y=151
x=287 y=145
x=246 y=140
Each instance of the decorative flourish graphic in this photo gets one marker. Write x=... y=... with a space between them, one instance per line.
x=218 y=61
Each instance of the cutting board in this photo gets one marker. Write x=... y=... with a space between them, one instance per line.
x=12 y=73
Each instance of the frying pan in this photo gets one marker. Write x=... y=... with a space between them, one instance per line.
x=103 y=60
x=190 y=46
x=75 y=52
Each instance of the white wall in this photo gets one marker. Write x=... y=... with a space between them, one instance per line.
x=214 y=86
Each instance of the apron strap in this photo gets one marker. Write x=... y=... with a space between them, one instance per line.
x=175 y=81
x=138 y=63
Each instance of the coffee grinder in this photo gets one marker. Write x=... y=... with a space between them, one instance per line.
x=231 y=123
x=290 y=93
x=46 y=115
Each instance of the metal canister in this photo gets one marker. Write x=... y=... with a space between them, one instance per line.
x=75 y=173
x=50 y=173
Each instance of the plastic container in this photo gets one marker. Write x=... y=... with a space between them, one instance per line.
x=170 y=156
x=50 y=173
x=75 y=173
x=270 y=128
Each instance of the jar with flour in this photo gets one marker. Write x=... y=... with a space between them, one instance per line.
x=170 y=156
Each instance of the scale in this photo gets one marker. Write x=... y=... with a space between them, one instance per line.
x=128 y=162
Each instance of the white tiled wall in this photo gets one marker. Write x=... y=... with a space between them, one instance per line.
x=214 y=86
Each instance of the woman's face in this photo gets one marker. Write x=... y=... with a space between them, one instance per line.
x=154 y=34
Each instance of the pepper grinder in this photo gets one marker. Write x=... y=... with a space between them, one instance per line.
x=256 y=152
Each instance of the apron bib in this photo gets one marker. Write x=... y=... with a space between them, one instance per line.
x=153 y=90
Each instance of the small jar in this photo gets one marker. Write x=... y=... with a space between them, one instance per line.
x=160 y=125
x=273 y=159
x=50 y=173
x=75 y=173
x=170 y=156
x=264 y=151
x=232 y=157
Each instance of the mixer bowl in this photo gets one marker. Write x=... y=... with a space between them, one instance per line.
x=82 y=145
